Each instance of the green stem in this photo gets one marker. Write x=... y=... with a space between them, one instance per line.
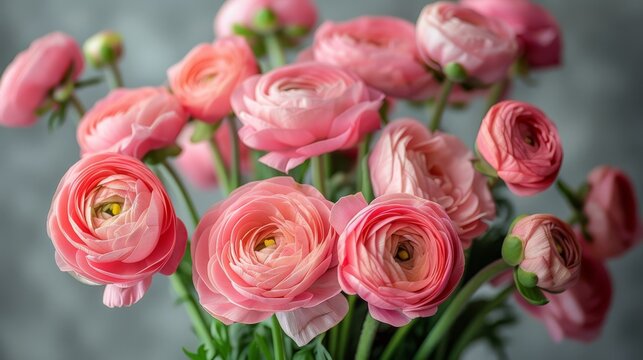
x=194 y=214
x=235 y=169
x=364 y=174
x=275 y=52
x=220 y=167
x=496 y=92
x=369 y=329
x=198 y=319
x=440 y=105
x=570 y=195
x=345 y=327
x=278 y=339
x=395 y=341
x=333 y=342
x=78 y=105
x=319 y=174
x=457 y=305
x=117 y=77
x=473 y=327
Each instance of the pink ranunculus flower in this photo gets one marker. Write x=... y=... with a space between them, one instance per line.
x=401 y=254
x=131 y=122
x=304 y=110
x=522 y=144
x=613 y=218
x=551 y=251
x=269 y=249
x=408 y=158
x=112 y=223
x=537 y=31
x=580 y=312
x=195 y=160
x=204 y=80
x=381 y=50
x=299 y=13
x=27 y=80
x=451 y=33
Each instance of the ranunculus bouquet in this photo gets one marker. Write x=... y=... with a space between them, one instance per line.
x=352 y=232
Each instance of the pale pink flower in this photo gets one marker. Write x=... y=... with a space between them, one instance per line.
x=551 y=251
x=269 y=249
x=522 y=144
x=401 y=254
x=112 y=223
x=27 y=81
x=204 y=80
x=612 y=213
x=290 y=13
x=451 y=33
x=537 y=31
x=304 y=110
x=408 y=158
x=131 y=122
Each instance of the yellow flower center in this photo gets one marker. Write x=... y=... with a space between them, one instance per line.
x=265 y=243
x=402 y=254
x=112 y=209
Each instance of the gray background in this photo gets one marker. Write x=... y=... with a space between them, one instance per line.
x=44 y=314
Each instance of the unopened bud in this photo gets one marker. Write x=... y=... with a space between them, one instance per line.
x=104 y=48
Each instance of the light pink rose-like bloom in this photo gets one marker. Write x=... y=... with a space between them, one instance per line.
x=551 y=251
x=522 y=144
x=401 y=254
x=537 y=31
x=269 y=249
x=382 y=50
x=451 y=33
x=195 y=160
x=613 y=218
x=112 y=223
x=204 y=80
x=131 y=122
x=300 y=13
x=304 y=110
x=27 y=80
x=580 y=312
x=408 y=158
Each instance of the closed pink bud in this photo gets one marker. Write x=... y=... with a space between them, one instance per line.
x=112 y=223
x=304 y=110
x=451 y=33
x=401 y=254
x=204 y=80
x=551 y=251
x=269 y=248
x=520 y=142
x=611 y=209
x=580 y=312
x=289 y=13
x=132 y=122
x=537 y=31
x=408 y=158
x=381 y=50
x=27 y=81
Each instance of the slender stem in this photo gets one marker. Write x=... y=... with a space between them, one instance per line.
x=369 y=329
x=496 y=92
x=395 y=341
x=457 y=305
x=569 y=194
x=443 y=99
x=345 y=327
x=277 y=339
x=333 y=342
x=474 y=325
x=117 y=77
x=364 y=174
x=219 y=166
x=198 y=319
x=194 y=214
x=319 y=174
x=78 y=105
x=275 y=51
x=235 y=169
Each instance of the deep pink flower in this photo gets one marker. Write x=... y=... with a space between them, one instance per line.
x=112 y=223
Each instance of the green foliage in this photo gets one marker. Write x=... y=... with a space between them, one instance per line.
x=200 y=354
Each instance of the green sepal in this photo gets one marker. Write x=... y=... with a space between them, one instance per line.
x=533 y=295
x=203 y=131
x=244 y=31
x=159 y=155
x=265 y=20
x=515 y=221
x=455 y=72
x=526 y=278
x=512 y=250
x=484 y=167
x=296 y=31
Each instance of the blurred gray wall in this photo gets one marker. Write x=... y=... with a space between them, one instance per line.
x=595 y=99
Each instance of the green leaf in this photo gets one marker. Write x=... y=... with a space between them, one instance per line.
x=533 y=295
x=200 y=354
